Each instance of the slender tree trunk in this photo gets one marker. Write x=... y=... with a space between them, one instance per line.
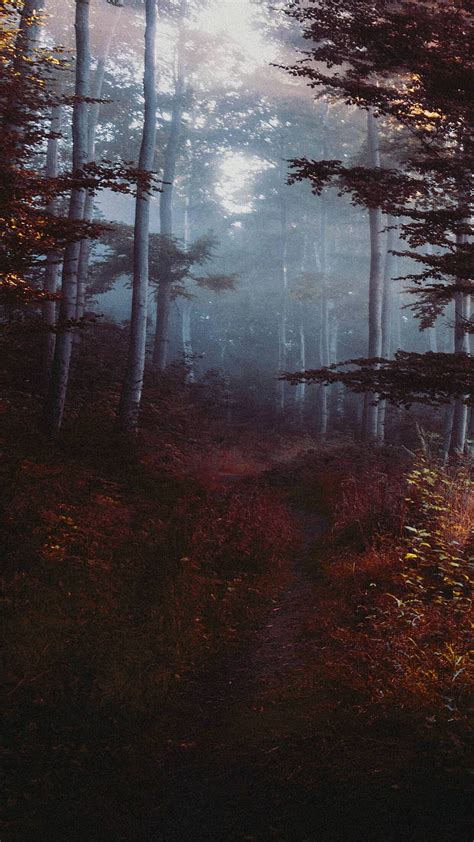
x=432 y=338
x=133 y=384
x=456 y=414
x=324 y=310
x=187 y=305
x=387 y=314
x=300 y=393
x=462 y=309
x=27 y=41
x=301 y=387
x=56 y=399
x=283 y=325
x=53 y=258
x=397 y=318
x=161 y=344
x=93 y=120
x=375 y=283
x=447 y=431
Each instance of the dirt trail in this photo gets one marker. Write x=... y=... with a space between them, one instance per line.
x=221 y=790
x=237 y=778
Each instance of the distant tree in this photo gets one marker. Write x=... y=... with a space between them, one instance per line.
x=160 y=349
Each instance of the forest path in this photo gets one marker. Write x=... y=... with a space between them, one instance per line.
x=271 y=748
x=225 y=784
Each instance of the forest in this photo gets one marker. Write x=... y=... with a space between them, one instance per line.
x=236 y=420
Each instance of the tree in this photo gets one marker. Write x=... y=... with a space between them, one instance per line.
x=410 y=62
x=25 y=192
x=53 y=258
x=93 y=119
x=133 y=383
x=371 y=408
x=160 y=350
x=56 y=398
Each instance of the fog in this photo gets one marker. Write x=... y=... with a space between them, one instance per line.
x=229 y=120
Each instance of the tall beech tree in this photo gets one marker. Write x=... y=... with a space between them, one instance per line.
x=53 y=258
x=133 y=383
x=371 y=409
x=56 y=397
x=25 y=192
x=92 y=123
x=387 y=315
x=412 y=63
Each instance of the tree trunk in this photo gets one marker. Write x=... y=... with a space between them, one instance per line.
x=375 y=283
x=163 y=303
x=187 y=305
x=300 y=393
x=397 y=315
x=387 y=314
x=26 y=42
x=432 y=339
x=462 y=305
x=53 y=258
x=56 y=400
x=447 y=431
x=431 y=331
x=28 y=37
x=283 y=323
x=133 y=384
x=301 y=387
x=324 y=310
x=93 y=120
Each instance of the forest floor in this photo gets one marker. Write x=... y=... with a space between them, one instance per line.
x=254 y=761
x=270 y=731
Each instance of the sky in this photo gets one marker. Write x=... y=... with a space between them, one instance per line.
x=236 y=19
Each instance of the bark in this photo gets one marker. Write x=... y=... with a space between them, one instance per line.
x=431 y=331
x=457 y=414
x=462 y=306
x=187 y=305
x=186 y=313
x=387 y=314
x=133 y=384
x=56 y=399
x=432 y=339
x=375 y=283
x=447 y=431
x=93 y=120
x=324 y=354
x=397 y=317
x=29 y=35
x=283 y=325
x=324 y=313
x=301 y=387
x=161 y=345
x=53 y=258
x=27 y=41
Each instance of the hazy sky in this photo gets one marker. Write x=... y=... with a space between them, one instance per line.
x=236 y=20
